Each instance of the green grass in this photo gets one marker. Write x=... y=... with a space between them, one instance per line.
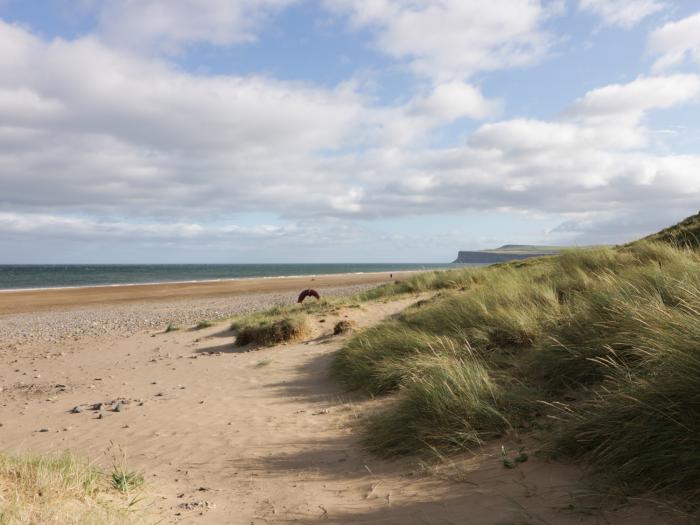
x=284 y=323
x=604 y=341
x=201 y=325
x=449 y=401
x=685 y=233
x=59 y=490
x=264 y=330
x=309 y=307
x=425 y=281
x=126 y=481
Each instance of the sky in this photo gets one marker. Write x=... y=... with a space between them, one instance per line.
x=260 y=131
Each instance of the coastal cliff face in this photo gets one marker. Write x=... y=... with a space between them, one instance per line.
x=509 y=252
x=494 y=257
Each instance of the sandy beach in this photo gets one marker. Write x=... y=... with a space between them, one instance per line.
x=50 y=315
x=17 y=301
x=226 y=435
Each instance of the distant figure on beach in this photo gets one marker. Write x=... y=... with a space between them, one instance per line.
x=391 y=276
x=308 y=293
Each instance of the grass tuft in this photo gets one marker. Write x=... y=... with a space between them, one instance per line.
x=126 y=481
x=449 y=401
x=61 y=489
x=203 y=324
x=272 y=330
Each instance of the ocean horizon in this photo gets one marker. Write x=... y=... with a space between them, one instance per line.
x=44 y=276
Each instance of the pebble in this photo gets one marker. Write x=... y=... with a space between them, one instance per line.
x=53 y=326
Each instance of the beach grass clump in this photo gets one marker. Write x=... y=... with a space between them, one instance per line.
x=605 y=340
x=641 y=428
x=510 y=311
x=449 y=401
x=265 y=330
x=323 y=306
x=343 y=327
x=684 y=234
x=125 y=480
x=61 y=489
x=461 y=278
x=284 y=322
x=609 y=318
x=374 y=360
x=201 y=325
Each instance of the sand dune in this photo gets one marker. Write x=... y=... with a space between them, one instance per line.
x=225 y=435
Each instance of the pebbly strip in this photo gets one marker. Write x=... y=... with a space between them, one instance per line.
x=17 y=330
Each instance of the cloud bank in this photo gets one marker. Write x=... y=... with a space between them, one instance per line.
x=98 y=140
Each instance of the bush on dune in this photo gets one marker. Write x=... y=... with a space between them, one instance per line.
x=617 y=328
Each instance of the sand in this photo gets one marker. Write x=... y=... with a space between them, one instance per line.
x=51 y=299
x=225 y=435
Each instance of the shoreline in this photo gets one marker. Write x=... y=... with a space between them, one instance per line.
x=69 y=298
x=115 y=321
x=198 y=281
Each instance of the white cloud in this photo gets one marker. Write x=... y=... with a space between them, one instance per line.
x=90 y=132
x=624 y=13
x=605 y=119
x=86 y=126
x=676 y=42
x=452 y=39
x=616 y=111
x=454 y=100
x=630 y=101
x=167 y=25
x=593 y=159
x=412 y=122
x=42 y=224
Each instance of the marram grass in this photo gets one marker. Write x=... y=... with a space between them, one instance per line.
x=271 y=330
x=617 y=330
x=60 y=490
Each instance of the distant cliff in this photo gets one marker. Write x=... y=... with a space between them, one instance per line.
x=509 y=252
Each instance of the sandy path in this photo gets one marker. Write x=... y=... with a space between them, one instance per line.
x=257 y=437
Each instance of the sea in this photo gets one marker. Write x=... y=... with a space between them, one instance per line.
x=38 y=276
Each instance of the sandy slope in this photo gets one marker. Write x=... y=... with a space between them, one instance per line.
x=265 y=436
